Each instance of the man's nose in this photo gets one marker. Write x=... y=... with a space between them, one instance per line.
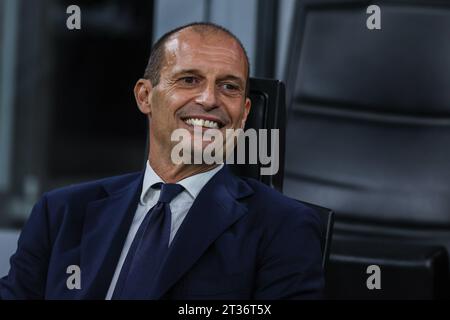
x=207 y=97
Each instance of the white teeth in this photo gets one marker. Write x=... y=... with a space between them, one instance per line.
x=202 y=123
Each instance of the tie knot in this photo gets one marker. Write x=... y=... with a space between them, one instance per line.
x=168 y=191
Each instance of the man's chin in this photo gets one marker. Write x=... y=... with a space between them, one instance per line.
x=205 y=152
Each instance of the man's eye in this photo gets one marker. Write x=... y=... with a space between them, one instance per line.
x=189 y=80
x=230 y=87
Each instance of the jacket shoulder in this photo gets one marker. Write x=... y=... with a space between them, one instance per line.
x=275 y=206
x=272 y=197
x=91 y=190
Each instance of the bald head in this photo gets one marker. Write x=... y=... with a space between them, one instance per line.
x=158 y=56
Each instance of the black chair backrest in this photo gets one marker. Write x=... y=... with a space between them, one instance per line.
x=369 y=111
x=267 y=112
x=327 y=218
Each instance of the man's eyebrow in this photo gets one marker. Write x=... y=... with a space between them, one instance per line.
x=187 y=71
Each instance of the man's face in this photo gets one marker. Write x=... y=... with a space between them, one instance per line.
x=202 y=83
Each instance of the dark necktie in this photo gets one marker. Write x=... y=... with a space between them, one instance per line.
x=149 y=247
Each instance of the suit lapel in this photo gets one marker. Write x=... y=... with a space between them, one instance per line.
x=106 y=226
x=213 y=211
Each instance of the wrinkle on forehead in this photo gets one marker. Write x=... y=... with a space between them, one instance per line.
x=220 y=49
x=217 y=56
x=217 y=44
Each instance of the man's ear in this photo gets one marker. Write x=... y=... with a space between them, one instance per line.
x=143 y=94
x=247 y=107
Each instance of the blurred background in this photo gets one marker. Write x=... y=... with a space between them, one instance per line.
x=368 y=116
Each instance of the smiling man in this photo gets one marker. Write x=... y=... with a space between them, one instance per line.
x=173 y=231
x=196 y=76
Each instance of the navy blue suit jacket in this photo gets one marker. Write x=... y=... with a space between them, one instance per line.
x=240 y=240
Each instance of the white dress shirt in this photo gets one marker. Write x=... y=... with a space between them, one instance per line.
x=179 y=206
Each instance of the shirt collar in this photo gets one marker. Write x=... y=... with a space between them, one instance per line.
x=193 y=184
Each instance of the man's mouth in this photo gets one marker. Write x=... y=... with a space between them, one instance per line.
x=211 y=124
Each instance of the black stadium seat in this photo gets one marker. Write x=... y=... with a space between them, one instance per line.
x=268 y=112
x=368 y=135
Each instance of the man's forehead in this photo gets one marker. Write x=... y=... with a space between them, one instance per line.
x=202 y=33
x=188 y=42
